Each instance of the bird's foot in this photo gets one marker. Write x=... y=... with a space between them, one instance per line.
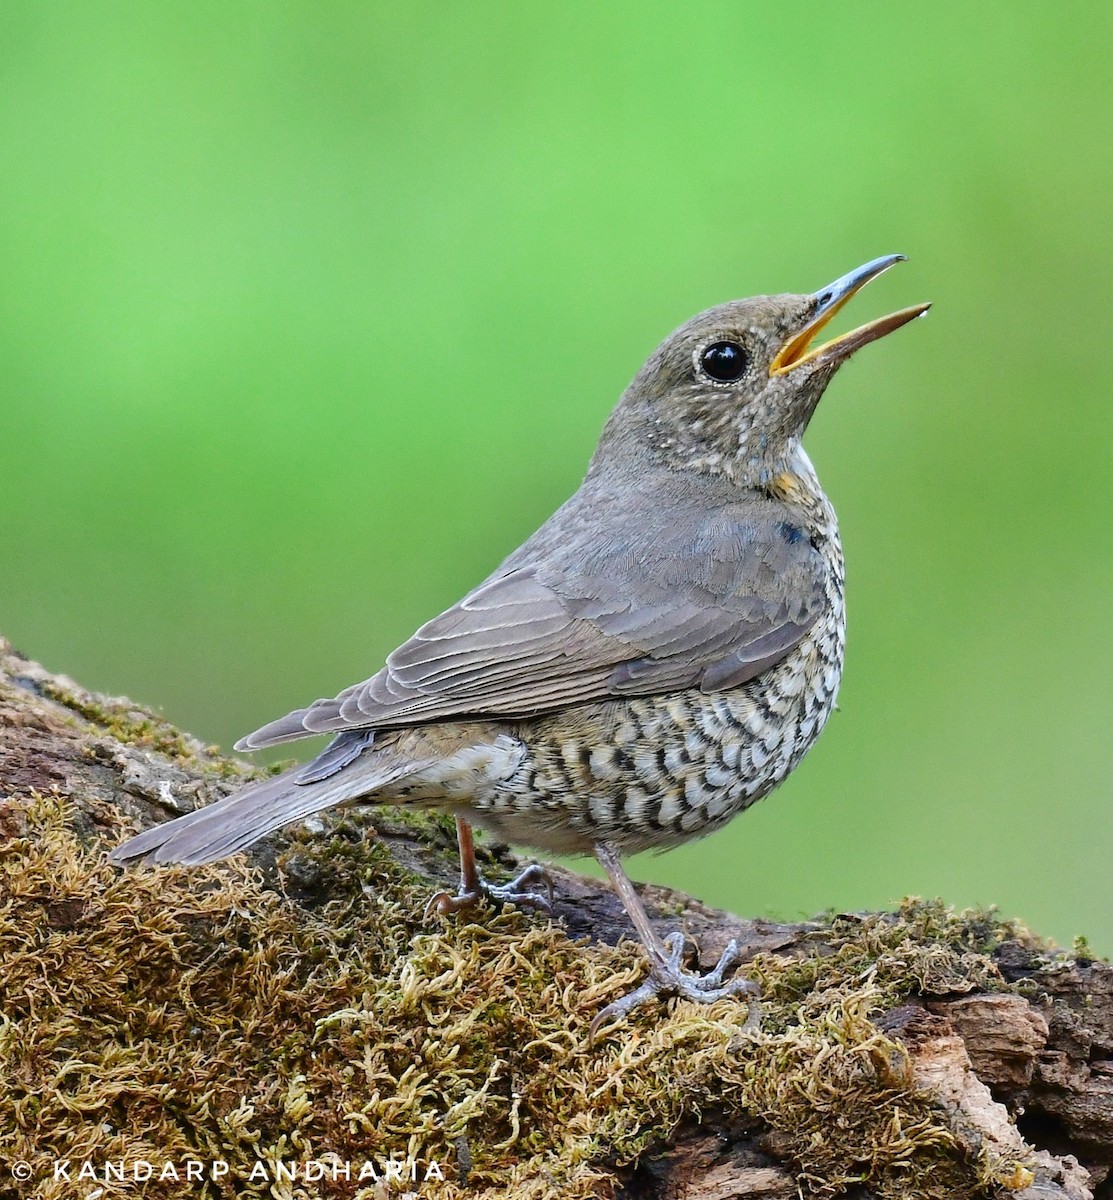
x=517 y=891
x=668 y=977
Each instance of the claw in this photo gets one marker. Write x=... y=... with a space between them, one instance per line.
x=668 y=977
x=514 y=892
x=442 y=903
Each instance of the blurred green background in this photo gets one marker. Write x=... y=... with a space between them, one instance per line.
x=310 y=313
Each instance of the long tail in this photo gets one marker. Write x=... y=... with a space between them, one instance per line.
x=239 y=820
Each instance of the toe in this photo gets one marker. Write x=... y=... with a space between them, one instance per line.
x=443 y=903
x=668 y=977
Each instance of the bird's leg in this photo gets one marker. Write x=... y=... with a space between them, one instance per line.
x=666 y=974
x=473 y=887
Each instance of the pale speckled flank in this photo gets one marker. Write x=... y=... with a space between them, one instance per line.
x=650 y=772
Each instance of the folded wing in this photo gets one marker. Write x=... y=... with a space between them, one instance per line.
x=663 y=608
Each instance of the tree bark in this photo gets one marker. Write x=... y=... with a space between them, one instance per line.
x=1026 y=1066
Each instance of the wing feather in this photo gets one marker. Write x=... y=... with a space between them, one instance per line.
x=710 y=607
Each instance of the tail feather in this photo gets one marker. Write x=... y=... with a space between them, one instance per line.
x=239 y=820
x=345 y=748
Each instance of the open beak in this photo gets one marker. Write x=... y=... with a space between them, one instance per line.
x=829 y=300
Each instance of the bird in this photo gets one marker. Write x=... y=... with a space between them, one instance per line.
x=657 y=657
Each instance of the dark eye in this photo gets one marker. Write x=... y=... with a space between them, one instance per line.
x=723 y=361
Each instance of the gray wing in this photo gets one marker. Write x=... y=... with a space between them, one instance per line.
x=563 y=623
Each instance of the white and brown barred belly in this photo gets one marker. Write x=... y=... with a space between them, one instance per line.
x=652 y=772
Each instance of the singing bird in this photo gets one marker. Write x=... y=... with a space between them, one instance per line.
x=657 y=657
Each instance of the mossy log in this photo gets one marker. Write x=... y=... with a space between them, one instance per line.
x=288 y=1024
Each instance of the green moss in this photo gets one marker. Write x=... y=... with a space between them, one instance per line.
x=135 y=726
x=196 y=1010
x=1083 y=952
x=424 y=825
x=924 y=948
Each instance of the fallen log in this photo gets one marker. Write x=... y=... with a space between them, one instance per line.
x=289 y=1024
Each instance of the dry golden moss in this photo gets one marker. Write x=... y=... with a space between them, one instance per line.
x=168 y=1014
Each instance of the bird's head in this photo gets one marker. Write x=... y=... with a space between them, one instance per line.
x=732 y=390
